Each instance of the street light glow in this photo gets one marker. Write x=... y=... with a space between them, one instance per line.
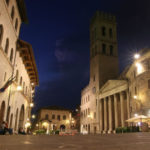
x=33 y=116
x=135 y=97
x=139 y=68
x=137 y=56
x=31 y=104
x=19 y=88
x=135 y=115
x=28 y=124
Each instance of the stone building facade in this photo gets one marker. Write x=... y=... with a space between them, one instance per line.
x=54 y=118
x=17 y=65
x=110 y=99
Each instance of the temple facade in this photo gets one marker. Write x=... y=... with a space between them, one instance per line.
x=110 y=99
x=18 y=72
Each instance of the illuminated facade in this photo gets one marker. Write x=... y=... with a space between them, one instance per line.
x=54 y=118
x=110 y=99
x=17 y=66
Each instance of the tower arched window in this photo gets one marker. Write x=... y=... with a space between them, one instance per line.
x=7 y=46
x=16 y=24
x=103 y=49
x=12 y=12
x=7 y=2
x=1 y=33
x=103 y=31
x=11 y=55
x=110 y=33
x=111 y=50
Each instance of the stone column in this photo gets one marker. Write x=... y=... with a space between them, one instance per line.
x=98 y=116
x=122 y=109
x=116 y=111
x=101 y=116
x=110 y=114
x=105 y=114
x=128 y=104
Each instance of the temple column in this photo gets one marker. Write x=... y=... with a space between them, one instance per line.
x=105 y=115
x=128 y=104
x=116 y=111
x=101 y=115
x=110 y=113
x=122 y=109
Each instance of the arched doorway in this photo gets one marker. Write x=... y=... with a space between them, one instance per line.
x=62 y=127
x=16 y=119
x=8 y=114
x=2 y=112
x=21 y=117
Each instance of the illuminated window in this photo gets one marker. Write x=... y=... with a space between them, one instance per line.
x=7 y=46
x=64 y=117
x=103 y=31
x=140 y=68
x=12 y=12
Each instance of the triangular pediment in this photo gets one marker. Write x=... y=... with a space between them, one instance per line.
x=112 y=84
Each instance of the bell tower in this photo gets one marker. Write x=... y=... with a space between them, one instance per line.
x=103 y=49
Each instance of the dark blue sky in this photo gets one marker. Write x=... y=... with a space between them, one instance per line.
x=59 y=33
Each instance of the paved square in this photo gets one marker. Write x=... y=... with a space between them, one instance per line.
x=135 y=141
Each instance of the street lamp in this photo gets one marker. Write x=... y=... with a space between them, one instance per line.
x=31 y=105
x=33 y=116
x=19 y=88
x=135 y=115
x=137 y=56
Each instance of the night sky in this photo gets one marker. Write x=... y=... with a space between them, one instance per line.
x=59 y=33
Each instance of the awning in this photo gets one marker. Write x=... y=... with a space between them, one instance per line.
x=140 y=118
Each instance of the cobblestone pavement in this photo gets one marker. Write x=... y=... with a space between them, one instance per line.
x=135 y=141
